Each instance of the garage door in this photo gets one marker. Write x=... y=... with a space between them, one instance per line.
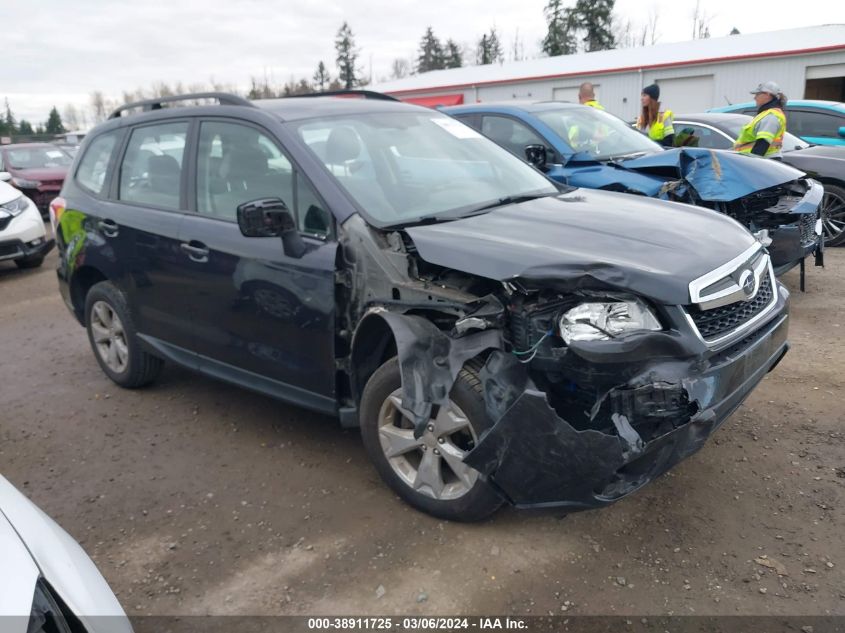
x=687 y=94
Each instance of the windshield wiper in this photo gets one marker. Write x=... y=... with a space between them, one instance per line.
x=468 y=213
x=501 y=202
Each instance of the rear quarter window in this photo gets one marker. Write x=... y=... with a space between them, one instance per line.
x=94 y=164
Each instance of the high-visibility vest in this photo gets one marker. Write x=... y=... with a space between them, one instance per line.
x=594 y=104
x=749 y=134
x=658 y=130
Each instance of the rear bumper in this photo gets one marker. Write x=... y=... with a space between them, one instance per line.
x=535 y=458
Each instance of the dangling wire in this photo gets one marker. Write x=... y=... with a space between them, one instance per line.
x=533 y=349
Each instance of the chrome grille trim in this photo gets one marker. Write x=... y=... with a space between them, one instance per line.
x=729 y=338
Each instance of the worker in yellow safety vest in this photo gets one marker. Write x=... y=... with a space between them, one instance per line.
x=763 y=135
x=587 y=96
x=657 y=124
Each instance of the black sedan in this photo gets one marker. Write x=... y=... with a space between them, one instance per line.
x=825 y=163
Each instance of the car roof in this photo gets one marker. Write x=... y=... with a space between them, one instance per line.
x=518 y=105
x=820 y=104
x=294 y=108
x=713 y=118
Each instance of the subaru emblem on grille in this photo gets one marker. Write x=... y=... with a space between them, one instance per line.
x=746 y=282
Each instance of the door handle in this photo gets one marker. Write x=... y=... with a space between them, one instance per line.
x=108 y=227
x=197 y=251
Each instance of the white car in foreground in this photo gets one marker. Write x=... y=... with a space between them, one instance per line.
x=47 y=582
x=23 y=237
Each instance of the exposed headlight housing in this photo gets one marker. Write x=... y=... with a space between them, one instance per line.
x=23 y=183
x=15 y=207
x=602 y=321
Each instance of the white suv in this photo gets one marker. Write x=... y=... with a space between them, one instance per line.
x=23 y=237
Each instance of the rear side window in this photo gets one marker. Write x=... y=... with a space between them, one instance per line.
x=805 y=123
x=91 y=173
x=151 y=171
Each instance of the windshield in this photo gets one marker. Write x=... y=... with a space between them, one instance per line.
x=410 y=166
x=790 y=142
x=36 y=158
x=599 y=134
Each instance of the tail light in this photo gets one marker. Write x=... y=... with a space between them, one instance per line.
x=57 y=207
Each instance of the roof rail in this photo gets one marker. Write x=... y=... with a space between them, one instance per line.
x=363 y=94
x=223 y=98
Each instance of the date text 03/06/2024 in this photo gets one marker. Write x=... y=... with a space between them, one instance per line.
x=417 y=623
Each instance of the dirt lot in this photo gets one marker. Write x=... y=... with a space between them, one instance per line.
x=195 y=497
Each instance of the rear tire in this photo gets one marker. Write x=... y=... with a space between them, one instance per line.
x=457 y=492
x=114 y=339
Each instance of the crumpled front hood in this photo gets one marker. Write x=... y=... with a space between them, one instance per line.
x=589 y=239
x=716 y=175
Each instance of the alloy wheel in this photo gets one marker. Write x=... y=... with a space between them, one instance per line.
x=833 y=216
x=433 y=463
x=109 y=337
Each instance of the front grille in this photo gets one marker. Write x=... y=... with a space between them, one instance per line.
x=807 y=226
x=715 y=323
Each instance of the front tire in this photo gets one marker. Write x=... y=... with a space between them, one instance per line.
x=428 y=472
x=114 y=340
x=833 y=215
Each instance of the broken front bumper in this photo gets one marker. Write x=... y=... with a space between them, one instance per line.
x=535 y=458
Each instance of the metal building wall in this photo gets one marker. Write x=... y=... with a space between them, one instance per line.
x=620 y=92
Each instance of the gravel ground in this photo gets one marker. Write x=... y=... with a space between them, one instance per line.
x=195 y=497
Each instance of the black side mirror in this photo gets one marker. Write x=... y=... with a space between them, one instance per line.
x=536 y=155
x=270 y=217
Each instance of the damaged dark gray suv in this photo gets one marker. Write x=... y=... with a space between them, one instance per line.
x=497 y=337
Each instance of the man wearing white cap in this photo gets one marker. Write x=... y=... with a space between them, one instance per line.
x=763 y=135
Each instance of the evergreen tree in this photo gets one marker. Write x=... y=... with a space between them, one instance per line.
x=562 y=29
x=431 y=55
x=489 y=48
x=347 y=57
x=24 y=127
x=9 y=122
x=453 y=56
x=54 y=123
x=321 y=77
x=595 y=17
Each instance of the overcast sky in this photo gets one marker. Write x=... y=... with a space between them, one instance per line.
x=59 y=51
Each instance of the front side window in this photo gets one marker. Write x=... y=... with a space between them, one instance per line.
x=238 y=163
x=597 y=133
x=91 y=173
x=151 y=172
x=509 y=133
x=403 y=167
x=703 y=136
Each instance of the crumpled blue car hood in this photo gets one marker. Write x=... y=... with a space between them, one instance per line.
x=715 y=175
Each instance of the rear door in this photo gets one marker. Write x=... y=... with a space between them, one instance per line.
x=260 y=317
x=149 y=198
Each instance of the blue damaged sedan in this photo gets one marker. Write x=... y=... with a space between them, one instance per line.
x=585 y=147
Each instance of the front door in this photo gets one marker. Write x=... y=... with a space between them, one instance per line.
x=255 y=309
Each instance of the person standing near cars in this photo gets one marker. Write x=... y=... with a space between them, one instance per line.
x=763 y=135
x=587 y=96
x=654 y=122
